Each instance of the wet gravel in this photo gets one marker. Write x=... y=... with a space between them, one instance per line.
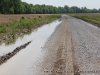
x=86 y=38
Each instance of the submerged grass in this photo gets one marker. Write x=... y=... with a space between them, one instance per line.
x=9 y=32
x=92 y=18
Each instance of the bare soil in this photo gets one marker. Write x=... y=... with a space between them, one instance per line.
x=17 y=17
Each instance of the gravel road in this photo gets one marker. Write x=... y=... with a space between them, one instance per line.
x=72 y=49
x=86 y=39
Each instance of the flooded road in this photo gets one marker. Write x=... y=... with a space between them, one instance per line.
x=24 y=62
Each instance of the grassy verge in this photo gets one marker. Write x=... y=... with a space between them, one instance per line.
x=9 y=32
x=92 y=18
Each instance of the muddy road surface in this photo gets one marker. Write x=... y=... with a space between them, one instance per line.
x=73 y=48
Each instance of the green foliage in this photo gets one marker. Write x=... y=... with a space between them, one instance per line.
x=19 y=7
x=31 y=23
x=2 y=28
x=16 y=28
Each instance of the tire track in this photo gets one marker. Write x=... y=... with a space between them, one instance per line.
x=66 y=62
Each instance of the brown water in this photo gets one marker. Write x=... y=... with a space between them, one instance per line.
x=25 y=62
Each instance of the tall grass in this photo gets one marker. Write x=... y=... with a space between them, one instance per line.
x=2 y=28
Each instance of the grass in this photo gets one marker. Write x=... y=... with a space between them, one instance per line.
x=14 y=29
x=2 y=28
x=92 y=18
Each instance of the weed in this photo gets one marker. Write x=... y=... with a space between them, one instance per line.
x=2 y=28
x=13 y=35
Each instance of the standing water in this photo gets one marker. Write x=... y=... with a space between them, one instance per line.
x=22 y=62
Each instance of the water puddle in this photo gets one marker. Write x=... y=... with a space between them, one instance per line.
x=22 y=62
x=40 y=33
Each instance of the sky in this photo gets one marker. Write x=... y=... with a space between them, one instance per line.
x=79 y=3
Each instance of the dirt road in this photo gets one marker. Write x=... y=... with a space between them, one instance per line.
x=86 y=39
x=72 y=49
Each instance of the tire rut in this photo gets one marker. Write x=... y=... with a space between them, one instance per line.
x=66 y=62
x=59 y=65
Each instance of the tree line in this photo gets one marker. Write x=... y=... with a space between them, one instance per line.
x=19 y=7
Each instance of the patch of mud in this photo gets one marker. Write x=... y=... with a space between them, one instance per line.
x=4 y=58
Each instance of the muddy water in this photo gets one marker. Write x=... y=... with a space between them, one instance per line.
x=24 y=62
x=40 y=33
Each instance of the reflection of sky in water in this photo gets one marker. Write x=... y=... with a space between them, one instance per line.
x=40 y=33
x=24 y=62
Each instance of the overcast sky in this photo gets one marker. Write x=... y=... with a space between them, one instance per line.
x=80 y=3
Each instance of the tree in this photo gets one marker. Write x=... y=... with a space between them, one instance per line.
x=94 y=11
x=66 y=9
x=19 y=7
x=4 y=6
x=99 y=10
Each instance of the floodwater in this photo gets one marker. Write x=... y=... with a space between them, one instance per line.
x=24 y=62
x=39 y=34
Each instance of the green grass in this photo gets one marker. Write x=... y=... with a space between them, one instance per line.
x=92 y=18
x=15 y=29
x=3 y=28
x=31 y=23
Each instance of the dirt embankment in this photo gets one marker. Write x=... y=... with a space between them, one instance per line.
x=4 y=58
x=20 y=25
